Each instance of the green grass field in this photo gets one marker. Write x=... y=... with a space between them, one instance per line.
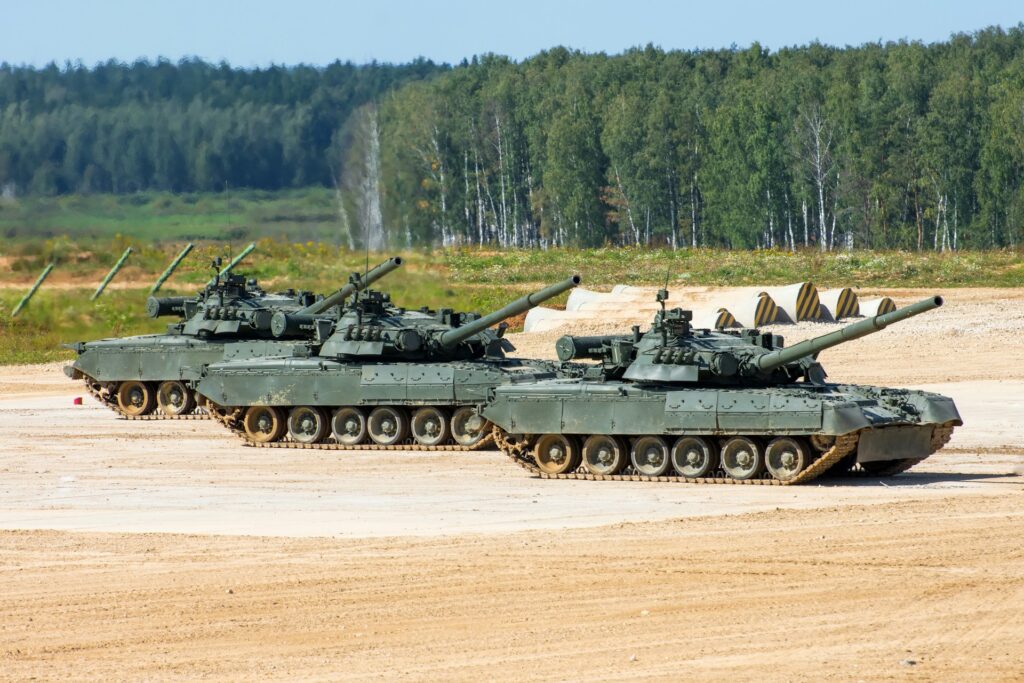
x=306 y=214
x=86 y=243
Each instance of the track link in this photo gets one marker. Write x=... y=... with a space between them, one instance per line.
x=518 y=451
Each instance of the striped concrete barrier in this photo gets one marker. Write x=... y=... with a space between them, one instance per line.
x=754 y=311
x=872 y=307
x=798 y=301
x=837 y=304
x=713 y=319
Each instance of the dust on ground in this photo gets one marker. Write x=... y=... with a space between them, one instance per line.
x=169 y=550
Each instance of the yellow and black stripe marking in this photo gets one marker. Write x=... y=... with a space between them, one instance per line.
x=807 y=302
x=766 y=312
x=847 y=305
x=724 y=319
x=886 y=305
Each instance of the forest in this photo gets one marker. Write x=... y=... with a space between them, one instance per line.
x=897 y=145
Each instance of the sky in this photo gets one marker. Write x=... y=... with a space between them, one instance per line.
x=261 y=32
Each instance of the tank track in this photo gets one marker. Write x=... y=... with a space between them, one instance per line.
x=230 y=420
x=518 y=452
x=106 y=400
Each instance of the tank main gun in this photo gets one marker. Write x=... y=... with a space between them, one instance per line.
x=304 y=320
x=453 y=337
x=776 y=359
x=356 y=283
x=374 y=327
x=672 y=352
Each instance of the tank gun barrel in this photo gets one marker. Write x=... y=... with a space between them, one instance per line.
x=775 y=359
x=521 y=305
x=352 y=287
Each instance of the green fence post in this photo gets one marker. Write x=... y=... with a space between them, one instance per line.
x=35 y=287
x=111 y=274
x=170 y=269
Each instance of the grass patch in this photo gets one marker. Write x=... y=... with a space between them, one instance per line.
x=604 y=267
x=473 y=280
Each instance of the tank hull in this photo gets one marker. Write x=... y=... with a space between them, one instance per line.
x=158 y=357
x=884 y=425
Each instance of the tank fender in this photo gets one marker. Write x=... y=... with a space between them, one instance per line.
x=936 y=408
x=843 y=418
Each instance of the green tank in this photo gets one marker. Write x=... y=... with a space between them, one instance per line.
x=153 y=375
x=697 y=405
x=386 y=378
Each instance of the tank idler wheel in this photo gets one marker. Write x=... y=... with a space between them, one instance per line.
x=174 y=398
x=693 y=457
x=387 y=426
x=556 y=453
x=650 y=456
x=307 y=424
x=429 y=426
x=264 y=424
x=135 y=398
x=349 y=426
x=604 y=454
x=785 y=457
x=742 y=459
x=469 y=428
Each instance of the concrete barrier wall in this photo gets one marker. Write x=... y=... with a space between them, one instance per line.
x=798 y=301
x=837 y=304
x=872 y=307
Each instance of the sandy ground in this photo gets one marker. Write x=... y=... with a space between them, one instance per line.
x=169 y=550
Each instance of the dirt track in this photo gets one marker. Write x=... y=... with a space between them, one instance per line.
x=458 y=566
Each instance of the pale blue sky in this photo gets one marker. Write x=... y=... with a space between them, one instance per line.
x=259 y=32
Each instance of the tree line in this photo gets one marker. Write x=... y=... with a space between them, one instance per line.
x=189 y=126
x=894 y=145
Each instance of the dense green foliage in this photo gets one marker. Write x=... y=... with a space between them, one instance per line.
x=897 y=145
x=189 y=126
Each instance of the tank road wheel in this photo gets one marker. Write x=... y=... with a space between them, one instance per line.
x=785 y=457
x=263 y=424
x=650 y=456
x=556 y=453
x=387 y=426
x=604 y=454
x=694 y=457
x=741 y=458
x=307 y=424
x=349 y=426
x=429 y=426
x=468 y=428
x=135 y=398
x=174 y=398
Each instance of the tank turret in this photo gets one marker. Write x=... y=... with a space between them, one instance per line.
x=373 y=326
x=672 y=351
x=303 y=321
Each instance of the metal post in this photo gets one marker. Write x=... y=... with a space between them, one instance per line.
x=111 y=274
x=235 y=261
x=31 y=292
x=170 y=269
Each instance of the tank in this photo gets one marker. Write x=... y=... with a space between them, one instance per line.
x=697 y=405
x=152 y=376
x=386 y=378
